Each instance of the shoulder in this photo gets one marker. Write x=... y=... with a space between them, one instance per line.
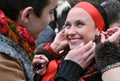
x=15 y=54
x=10 y=67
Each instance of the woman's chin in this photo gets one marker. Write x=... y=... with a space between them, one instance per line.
x=73 y=46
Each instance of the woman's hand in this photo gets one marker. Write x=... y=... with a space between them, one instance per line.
x=60 y=41
x=42 y=61
x=112 y=35
x=82 y=55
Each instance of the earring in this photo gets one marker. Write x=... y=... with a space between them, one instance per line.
x=97 y=39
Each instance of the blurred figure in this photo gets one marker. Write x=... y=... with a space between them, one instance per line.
x=112 y=8
x=62 y=11
x=46 y=36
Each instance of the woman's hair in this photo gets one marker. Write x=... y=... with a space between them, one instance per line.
x=103 y=13
x=96 y=12
x=12 y=8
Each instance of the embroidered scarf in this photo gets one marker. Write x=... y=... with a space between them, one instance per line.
x=18 y=34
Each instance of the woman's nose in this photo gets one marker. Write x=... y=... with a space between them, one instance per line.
x=72 y=30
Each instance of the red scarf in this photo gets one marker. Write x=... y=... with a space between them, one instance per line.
x=18 y=34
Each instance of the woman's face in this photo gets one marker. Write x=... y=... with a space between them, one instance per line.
x=79 y=27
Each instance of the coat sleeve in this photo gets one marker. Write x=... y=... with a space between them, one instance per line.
x=46 y=50
x=11 y=69
x=69 y=71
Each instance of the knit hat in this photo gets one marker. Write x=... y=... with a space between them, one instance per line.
x=96 y=12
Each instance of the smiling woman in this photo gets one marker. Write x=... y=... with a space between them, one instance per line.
x=84 y=22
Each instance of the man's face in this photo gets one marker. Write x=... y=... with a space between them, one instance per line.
x=37 y=24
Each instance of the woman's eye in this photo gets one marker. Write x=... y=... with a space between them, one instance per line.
x=80 y=24
x=67 y=26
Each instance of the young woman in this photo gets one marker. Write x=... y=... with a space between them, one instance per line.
x=85 y=22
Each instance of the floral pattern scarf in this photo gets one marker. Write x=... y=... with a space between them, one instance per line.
x=18 y=34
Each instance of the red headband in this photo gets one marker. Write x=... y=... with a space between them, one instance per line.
x=95 y=14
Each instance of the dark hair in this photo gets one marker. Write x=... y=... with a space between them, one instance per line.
x=102 y=12
x=112 y=8
x=12 y=8
x=73 y=2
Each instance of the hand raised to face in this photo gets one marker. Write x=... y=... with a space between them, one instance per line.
x=112 y=34
x=82 y=55
x=60 y=41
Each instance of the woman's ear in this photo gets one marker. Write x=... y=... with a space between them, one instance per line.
x=26 y=14
x=97 y=36
x=97 y=32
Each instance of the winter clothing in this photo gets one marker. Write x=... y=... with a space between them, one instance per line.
x=77 y=73
x=64 y=73
x=55 y=63
x=16 y=50
x=13 y=61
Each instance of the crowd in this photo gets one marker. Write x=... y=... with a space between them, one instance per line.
x=86 y=48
